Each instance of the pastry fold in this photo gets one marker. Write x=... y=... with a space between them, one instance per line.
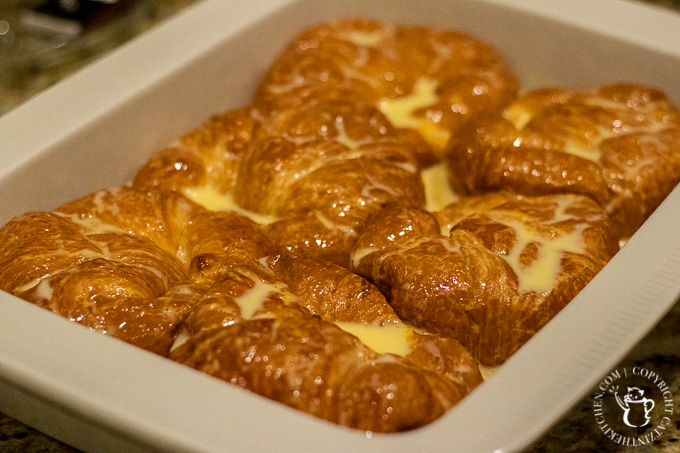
x=427 y=81
x=618 y=144
x=250 y=330
x=490 y=270
x=125 y=262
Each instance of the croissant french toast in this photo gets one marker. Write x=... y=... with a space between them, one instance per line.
x=312 y=175
x=489 y=271
x=322 y=171
x=125 y=262
x=148 y=266
x=427 y=81
x=618 y=144
x=251 y=331
x=340 y=126
x=289 y=246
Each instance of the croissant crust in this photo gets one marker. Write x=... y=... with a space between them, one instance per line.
x=489 y=271
x=618 y=144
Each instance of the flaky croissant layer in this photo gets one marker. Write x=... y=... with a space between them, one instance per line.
x=251 y=331
x=490 y=270
x=618 y=144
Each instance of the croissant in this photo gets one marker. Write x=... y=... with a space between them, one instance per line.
x=619 y=144
x=490 y=270
x=321 y=171
x=125 y=262
x=250 y=330
x=310 y=176
x=208 y=156
x=427 y=81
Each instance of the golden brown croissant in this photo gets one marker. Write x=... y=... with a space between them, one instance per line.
x=322 y=170
x=489 y=271
x=427 y=81
x=311 y=175
x=250 y=330
x=208 y=156
x=125 y=262
x=619 y=144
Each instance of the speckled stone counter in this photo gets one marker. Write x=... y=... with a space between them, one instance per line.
x=15 y=437
x=580 y=430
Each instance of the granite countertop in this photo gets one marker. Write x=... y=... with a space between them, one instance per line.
x=579 y=430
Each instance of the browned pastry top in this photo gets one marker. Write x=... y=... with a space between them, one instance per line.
x=619 y=144
x=250 y=330
x=490 y=270
x=427 y=81
x=123 y=261
x=207 y=289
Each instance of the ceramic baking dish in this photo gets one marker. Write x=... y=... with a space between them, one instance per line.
x=96 y=128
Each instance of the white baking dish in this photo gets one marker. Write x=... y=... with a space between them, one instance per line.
x=95 y=129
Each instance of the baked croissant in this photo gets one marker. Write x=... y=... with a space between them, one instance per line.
x=302 y=350
x=125 y=262
x=618 y=144
x=321 y=171
x=427 y=81
x=206 y=157
x=311 y=176
x=490 y=270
